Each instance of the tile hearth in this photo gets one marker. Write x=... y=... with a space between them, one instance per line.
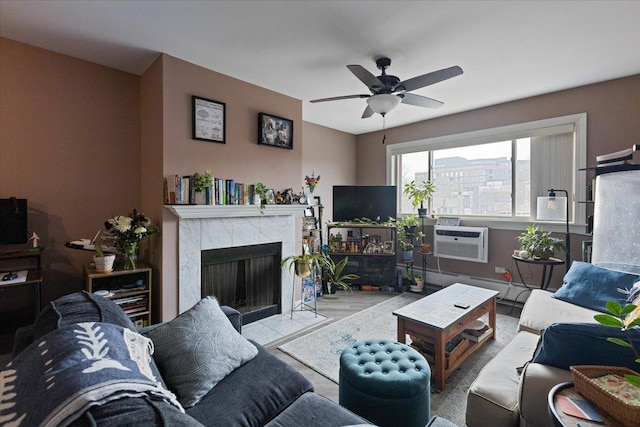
x=273 y=328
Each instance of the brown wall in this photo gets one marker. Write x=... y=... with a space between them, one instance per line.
x=332 y=155
x=612 y=108
x=70 y=144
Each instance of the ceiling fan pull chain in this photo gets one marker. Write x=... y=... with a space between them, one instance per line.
x=384 y=122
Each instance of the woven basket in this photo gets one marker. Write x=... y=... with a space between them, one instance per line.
x=628 y=415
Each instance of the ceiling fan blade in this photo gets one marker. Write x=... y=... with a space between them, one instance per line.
x=420 y=101
x=366 y=77
x=368 y=112
x=338 y=98
x=430 y=78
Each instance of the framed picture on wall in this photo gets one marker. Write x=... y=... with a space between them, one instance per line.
x=209 y=121
x=275 y=131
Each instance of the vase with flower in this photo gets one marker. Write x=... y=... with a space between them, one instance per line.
x=127 y=232
x=311 y=182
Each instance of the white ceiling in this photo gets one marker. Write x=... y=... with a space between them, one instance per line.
x=508 y=50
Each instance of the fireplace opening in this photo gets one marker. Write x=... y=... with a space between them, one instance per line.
x=247 y=278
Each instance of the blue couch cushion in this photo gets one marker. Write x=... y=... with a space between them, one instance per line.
x=590 y=286
x=565 y=344
x=197 y=349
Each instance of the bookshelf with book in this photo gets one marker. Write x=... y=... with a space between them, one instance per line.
x=130 y=289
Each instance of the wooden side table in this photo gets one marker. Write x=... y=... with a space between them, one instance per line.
x=34 y=275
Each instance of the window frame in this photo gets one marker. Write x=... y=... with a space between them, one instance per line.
x=578 y=123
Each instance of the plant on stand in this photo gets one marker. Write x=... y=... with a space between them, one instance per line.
x=539 y=243
x=406 y=233
x=336 y=277
x=419 y=193
x=127 y=232
x=302 y=264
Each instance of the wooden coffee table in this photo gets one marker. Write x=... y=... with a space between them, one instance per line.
x=435 y=319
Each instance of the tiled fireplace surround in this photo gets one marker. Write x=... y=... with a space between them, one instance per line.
x=214 y=227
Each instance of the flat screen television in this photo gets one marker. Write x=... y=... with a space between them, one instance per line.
x=375 y=202
x=13 y=221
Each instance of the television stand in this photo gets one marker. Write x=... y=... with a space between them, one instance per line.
x=370 y=248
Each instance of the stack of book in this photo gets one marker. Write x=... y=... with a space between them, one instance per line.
x=477 y=332
x=134 y=304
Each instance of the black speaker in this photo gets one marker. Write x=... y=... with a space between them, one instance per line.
x=13 y=221
x=590 y=224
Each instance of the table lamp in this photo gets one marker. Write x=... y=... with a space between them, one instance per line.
x=554 y=208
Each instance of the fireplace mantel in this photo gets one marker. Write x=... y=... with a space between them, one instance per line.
x=233 y=211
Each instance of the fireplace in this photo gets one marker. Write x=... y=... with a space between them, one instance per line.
x=246 y=278
x=201 y=228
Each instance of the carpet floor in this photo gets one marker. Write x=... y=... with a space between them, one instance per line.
x=320 y=350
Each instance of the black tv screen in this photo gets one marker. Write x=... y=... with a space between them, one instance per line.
x=13 y=221
x=375 y=202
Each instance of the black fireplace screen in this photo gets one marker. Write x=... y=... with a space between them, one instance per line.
x=247 y=278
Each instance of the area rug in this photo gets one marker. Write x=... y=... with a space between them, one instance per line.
x=320 y=350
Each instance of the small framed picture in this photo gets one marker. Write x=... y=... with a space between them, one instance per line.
x=388 y=247
x=308 y=291
x=275 y=131
x=209 y=121
x=271 y=197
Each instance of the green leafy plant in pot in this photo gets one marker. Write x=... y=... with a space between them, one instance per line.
x=200 y=184
x=336 y=277
x=419 y=193
x=103 y=262
x=261 y=191
x=406 y=233
x=539 y=243
x=417 y=281
x=624 y=318
x=302 y=265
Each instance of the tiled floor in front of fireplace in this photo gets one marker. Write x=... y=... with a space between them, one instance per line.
x=273 y=328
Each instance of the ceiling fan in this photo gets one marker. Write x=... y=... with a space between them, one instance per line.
x=388 y=91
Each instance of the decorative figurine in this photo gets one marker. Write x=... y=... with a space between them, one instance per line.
x=34 y=242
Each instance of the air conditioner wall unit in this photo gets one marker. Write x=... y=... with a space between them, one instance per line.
x=464 y=243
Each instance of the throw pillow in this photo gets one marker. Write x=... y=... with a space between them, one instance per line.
x=565 y=344
x=590 y=286
x=197 y=349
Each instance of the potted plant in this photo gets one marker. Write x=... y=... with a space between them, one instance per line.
x=336 y=278
x=200 y=185
x=406 y=233
x=418 y=281
x=260 y=197
x=103 y=263
x=302 y=264
x=418 y=194
x=539 y=243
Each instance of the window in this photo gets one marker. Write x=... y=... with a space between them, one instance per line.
x=495 y=173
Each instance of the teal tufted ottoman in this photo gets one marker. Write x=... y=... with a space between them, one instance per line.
x=385 y=382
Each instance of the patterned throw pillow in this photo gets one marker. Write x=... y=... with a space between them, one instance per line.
x=197 y=349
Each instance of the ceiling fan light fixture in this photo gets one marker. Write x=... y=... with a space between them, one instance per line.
x=383 y=103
